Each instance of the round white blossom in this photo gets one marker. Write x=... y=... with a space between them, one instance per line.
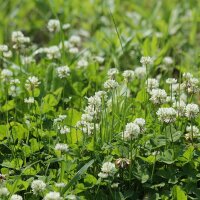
x=111 y=84
x=60 y=185
x=82 y=63
x=140 y=122
x=63 y=71
x=66 y=26
x=62 y=147
x=128 y=75
x=52 y=196
x=75 y=39
x=151 y=84
x=167 y=115
x=132 y=130
x=180 y=107
x=53 y=52
x=112 y=72
x=171 y=81
x=145 y=60
x=29 y=100
x=6 y=74
x=3 y=48
x=53 y=25
x=16 y=197
x=38 y=186
x=4 y=192
x=140 y=72
x=99 y=59
x=64 y=130
x=191 y=110
x=168 y=60
x=107 y=169
x=32 y=82
x=158 y=96
x=73 y=50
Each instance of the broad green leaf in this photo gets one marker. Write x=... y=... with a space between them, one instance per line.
x=178 y=193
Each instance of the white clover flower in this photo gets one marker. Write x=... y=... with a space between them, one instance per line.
x=60 y=118
x=71 y=197
x=4 y=192
x=52 y=196
x=102 y=175
x=191 y=110
x=66 y=26
x=140 y=72
x=101 y=94
x=87 y=117
x=29 y=100
x=111 y=84
x=192 y=132
x=187 y=76
x=82 y=63
x=132 y=130
x=7 y=54
x=14 y=90
x=145 y=60
x=19 y=39
x=87 y=127
x=171 y=81
x=151 y=84
x=140 y=122
x=166 y=115
x=73 y=50
x=128 y=75
x=158 y=96
x=112 y=72
x=16 y=197
x=170 y=99
x=180 y=107
x=15 y=81
x=190 y=84
x=53 y=25
x=62 y=147
x=16 y=36
x=66 y=45
x=38 y=186
x=94 y=101
x=107 y=169
x=168 y=60
x=53 y=52
x=60 y=185
x=75 y=39
x=175 y=88
x=3 y=48
x=27 y=60
x=32 y=82
x=40 y=51
x=115 y=185
x=6 y=74
x=63 y=71
x=99 y=59
x=64 y=130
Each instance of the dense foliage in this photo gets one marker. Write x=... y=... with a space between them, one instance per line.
x=99 y=99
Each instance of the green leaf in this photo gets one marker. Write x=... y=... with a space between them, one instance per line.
x=77 y=176
x=8 y=106
x=90 y=180
x=141 y=96
x=178 y=193
x=167 y=157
